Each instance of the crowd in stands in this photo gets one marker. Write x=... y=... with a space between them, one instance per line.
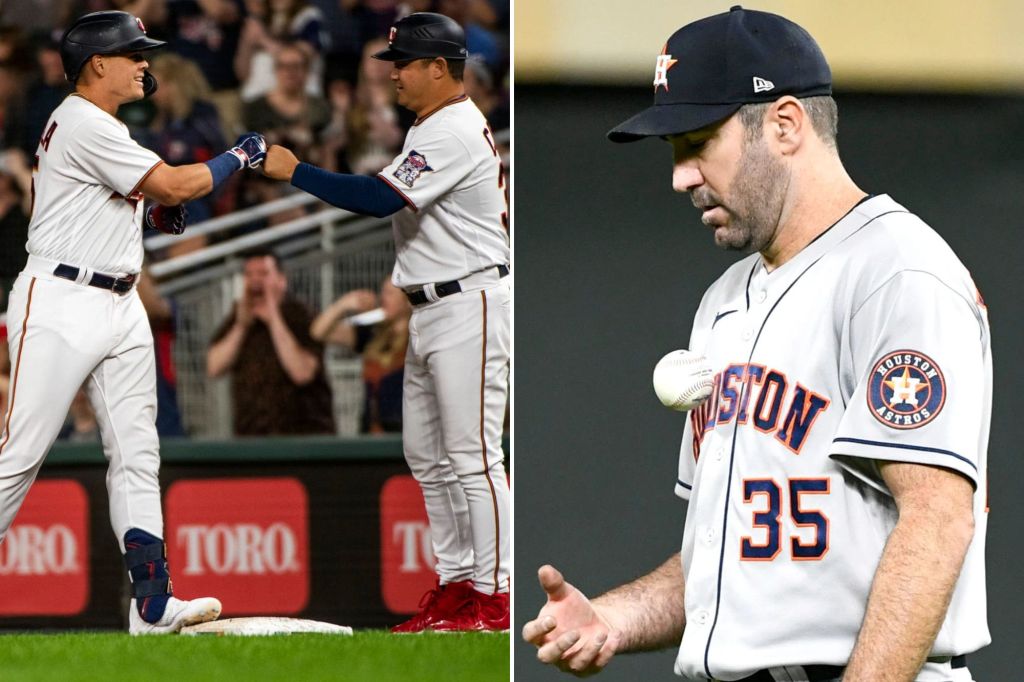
x=298 y=71
x=376 y=327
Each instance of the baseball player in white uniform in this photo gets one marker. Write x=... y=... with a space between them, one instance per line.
x=836 y=477
x=445 y=192
x=74 y=313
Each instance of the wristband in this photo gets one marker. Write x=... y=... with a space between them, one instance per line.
x=222 y=166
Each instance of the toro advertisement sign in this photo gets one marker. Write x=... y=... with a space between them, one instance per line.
x=407 y=556
x=44 y=559
x=243 y=540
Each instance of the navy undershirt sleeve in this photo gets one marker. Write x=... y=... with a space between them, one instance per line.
x=357 y=193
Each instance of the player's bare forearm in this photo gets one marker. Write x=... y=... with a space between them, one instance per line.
x=915 y=578
x=173 y=185
x=298 y=363
x=580 y=636
x=649 y=611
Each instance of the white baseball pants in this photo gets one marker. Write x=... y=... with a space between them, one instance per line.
x=62 y=333
x=453 y=408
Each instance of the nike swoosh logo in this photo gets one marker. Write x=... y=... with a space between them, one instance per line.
x=720 y=316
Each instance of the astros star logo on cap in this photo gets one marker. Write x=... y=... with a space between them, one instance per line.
x=661 y=67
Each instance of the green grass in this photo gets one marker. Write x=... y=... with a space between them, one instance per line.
x=370 y=655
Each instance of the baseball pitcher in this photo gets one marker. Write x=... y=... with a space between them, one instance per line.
x=836 y=475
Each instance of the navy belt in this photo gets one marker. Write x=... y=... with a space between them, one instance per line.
x=118 y=285
x=446 y=288
x=815 y=673
x=826 y=673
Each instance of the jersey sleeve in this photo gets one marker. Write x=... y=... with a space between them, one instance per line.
x=433 y=166
x=104 y=152
x=918 y=356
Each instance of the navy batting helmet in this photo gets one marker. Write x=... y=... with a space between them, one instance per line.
x=105 y=33
x=423 y=35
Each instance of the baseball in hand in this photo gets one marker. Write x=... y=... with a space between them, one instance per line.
x=683 y=380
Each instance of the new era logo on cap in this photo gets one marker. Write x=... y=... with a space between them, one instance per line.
x=763 y=85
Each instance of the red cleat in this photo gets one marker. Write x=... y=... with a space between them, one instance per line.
x=442 y=605
x=493 y=613
x=479 y=613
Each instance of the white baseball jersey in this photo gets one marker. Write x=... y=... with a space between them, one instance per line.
x=456 y=368
x=65 y=334
x=450 y=175
x=87 y=209
x=871 y=344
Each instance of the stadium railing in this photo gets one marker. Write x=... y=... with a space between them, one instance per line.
x=324 y=254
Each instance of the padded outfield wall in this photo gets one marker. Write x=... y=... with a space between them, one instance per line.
x=324 y=528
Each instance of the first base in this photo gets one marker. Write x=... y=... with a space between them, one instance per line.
x=265 y=626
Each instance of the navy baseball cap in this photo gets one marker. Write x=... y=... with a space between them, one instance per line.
x=710 y=68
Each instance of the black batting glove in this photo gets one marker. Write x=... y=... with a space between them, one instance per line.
x=167 y=219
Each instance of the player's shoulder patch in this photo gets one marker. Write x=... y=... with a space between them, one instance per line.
x=414 y=165
x=907 y=389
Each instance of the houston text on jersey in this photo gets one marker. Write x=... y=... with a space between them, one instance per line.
x=741 y=386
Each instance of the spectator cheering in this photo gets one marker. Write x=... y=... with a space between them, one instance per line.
x=278 y=384
x=382 y=346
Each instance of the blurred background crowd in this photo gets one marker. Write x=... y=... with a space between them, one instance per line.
x=298 y=71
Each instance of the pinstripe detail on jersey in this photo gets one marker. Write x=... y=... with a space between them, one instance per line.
x=721 y=315
x=138 y=185
x=904 y=446
x=750 y=278
x=483 y=445
x=732 y=451
x=17 y=366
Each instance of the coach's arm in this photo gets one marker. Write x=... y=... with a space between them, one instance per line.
x=580 y=636
x=919 y=568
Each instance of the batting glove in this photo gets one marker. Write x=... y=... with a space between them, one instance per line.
x=167 y=219
x=250 y=149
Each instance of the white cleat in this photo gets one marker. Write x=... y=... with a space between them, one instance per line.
x=177 y=615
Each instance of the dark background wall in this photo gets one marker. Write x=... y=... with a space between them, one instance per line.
x=610 y=266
